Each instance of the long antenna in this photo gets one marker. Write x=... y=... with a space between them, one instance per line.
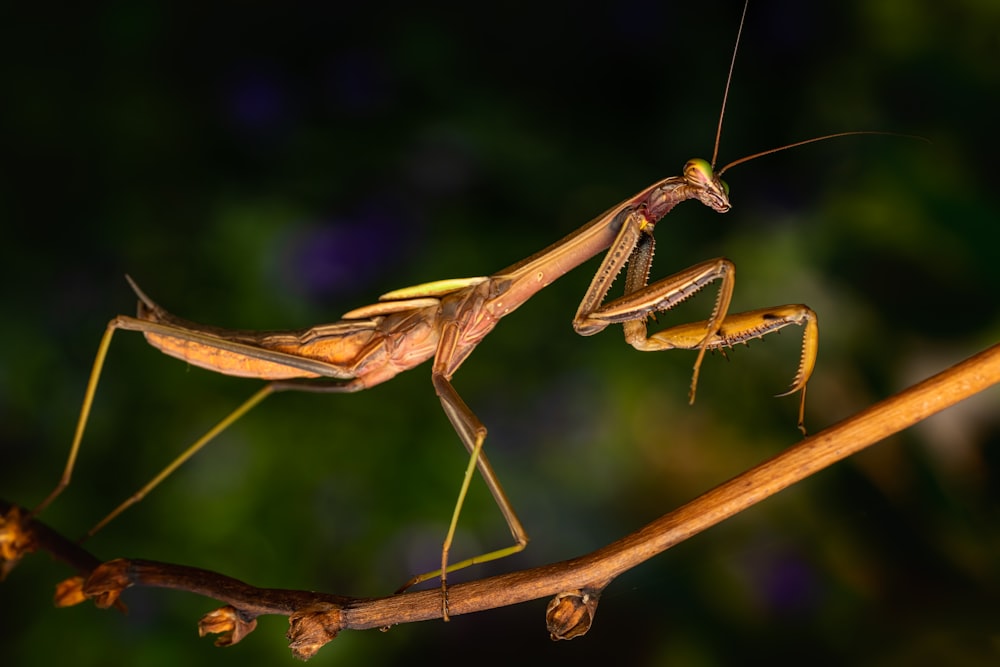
x=814 y=140
x=722 y=113
x=725 y=95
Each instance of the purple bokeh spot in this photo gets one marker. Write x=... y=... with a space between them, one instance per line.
x=344 y=256
x=783 y=583
x=788 y=585
x=257 y=101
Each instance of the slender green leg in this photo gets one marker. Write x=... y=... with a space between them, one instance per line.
x=81 y=424
x=473 y=435
x=123 y=322
x=247 y=405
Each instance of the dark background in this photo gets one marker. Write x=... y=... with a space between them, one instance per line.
x=259 y=166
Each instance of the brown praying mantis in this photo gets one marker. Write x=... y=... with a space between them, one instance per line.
x=443 y=321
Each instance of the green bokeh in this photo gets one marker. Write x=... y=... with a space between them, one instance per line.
x=258 y=167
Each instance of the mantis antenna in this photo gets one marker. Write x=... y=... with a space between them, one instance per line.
x=722 y=113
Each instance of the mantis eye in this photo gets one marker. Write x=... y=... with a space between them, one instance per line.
x=698 y=172
x=725 y=187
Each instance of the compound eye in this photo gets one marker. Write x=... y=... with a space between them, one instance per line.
x=725 y=187
x=698 y=172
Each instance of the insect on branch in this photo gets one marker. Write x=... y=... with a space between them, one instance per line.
x=317 y=618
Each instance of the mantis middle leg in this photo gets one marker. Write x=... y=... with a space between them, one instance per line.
x=472 y=434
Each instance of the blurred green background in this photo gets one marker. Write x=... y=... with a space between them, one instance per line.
x=268 y=166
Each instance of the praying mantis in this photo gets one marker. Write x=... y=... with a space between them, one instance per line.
x=443 y=321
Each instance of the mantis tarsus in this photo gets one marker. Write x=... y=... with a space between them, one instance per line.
x=445 y=320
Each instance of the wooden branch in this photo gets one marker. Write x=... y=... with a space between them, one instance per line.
x=316 y=618
x=21 y=534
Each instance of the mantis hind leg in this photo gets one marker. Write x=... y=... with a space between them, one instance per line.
x=128 y=323
x=14 y=541
x=81 y=423
x=193 y=449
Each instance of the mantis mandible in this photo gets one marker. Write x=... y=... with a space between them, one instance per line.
x=443 y=321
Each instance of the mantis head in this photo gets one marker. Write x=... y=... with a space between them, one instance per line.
x=709 y=188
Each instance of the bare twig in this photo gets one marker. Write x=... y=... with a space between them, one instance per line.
x=20 y=535
x=316 y=618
